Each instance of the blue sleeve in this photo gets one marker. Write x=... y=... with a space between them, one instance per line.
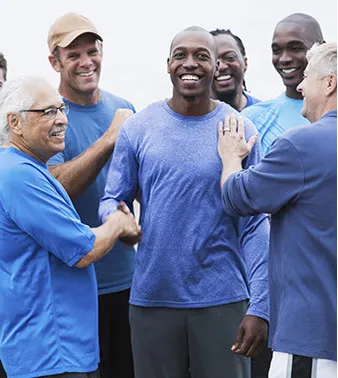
x=46 y=216
x=254 y=242
x=277 y=180
x=122 y=179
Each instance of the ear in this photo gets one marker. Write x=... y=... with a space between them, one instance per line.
x=245 y=63
x=168 y=69
x=331 y=86
x=216 y=74
x=14 y=123
x=54 y=63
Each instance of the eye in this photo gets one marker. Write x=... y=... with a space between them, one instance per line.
x=179 y=55
x=93 y=52
x=72 y=56
x=50 y=112
x=276 y=50
x=202 y=56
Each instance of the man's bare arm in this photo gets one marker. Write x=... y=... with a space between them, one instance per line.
x=78 y=174
x=117 y=225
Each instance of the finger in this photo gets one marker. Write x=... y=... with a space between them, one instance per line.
x=255 y=348
x=226 y=125
x=239 y=338
x=123 y=207
x=252 y=141
x=244 y=347
x=233 y=125
x=240 y=121
x=220 y=129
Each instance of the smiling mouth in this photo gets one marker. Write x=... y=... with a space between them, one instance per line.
x=86 y=74
x=59 y=132
x=190 y=78
x=288 y=70
x=224 y=78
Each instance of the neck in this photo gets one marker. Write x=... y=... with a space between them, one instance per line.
x=237 y=101
x=78 y=97
x=293 y=93
x=22 y=146
x=326 y=107
x=192 y=106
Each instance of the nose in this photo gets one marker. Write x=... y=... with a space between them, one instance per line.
x=285 y=57
x=190 y=62
x=223 y=65
x=300 y=87
x=61 y=118
x=85 y=60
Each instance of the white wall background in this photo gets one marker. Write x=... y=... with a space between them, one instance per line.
x=137 y=35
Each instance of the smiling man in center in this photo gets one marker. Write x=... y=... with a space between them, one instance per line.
x=196 y=268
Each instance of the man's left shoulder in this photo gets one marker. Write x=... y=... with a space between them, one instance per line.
x=113 y=100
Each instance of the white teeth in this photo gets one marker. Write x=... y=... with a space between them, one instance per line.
x=224 y=77
x=290 y=70
x=86 y=74
x=59 y=131
x=190 y=77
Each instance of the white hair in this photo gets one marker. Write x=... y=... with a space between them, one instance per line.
x=16 y=95
x=322 y=59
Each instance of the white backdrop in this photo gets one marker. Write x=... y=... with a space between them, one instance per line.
x=137 y=35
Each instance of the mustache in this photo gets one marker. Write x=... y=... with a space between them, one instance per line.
x=57 y=129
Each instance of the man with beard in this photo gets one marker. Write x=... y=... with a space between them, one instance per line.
x=292 y=38
x=229 y=85
x=195 y=266
x=94 y=118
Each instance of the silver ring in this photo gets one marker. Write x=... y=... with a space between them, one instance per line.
x=226 y=130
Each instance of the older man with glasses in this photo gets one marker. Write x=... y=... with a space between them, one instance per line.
x=48 y=290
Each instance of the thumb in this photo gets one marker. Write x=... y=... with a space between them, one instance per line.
x=239 y=338
x=252 y=141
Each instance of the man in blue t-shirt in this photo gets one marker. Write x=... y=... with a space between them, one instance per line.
x=229 y=84
x=297 y=183
x=48 y=291
x=196 y=268
x=292 y=38
x=94 y=119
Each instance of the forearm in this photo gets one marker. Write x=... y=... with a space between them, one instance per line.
x=254 y=242
x=79 y=173
x=106 y=237
x=229 y=168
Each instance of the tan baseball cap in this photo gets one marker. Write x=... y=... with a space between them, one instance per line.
x=68 y=27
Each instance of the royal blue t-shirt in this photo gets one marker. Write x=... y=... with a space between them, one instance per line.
x=250 y=100
x=297 y=183
x=48 y=308
x=86 y=124
x=191 y=253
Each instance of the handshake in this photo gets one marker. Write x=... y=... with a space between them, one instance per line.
x=130 y=231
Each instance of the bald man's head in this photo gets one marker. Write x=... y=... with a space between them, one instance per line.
x=310 y=25
x=194 y=29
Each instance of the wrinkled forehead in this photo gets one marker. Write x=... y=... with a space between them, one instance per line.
x=193 y=40
x=46 y=95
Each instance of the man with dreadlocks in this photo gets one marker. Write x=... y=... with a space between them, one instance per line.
x=229 y=84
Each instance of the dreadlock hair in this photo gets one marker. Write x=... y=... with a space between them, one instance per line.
x=238 y=41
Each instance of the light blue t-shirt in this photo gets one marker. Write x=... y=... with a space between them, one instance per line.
x=191 y=253
x=48 y=308
x=86 y=124
x=297 y=183
x=273 y=117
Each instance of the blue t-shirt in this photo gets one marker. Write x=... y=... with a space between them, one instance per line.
x=48 y=308
x=272 y=118
x=297 y=183
x=250 y=100
x=191 y=253
x=86 y=124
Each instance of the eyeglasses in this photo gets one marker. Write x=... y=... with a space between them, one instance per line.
x=50 y=112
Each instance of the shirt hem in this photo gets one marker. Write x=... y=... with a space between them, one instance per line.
x=60 y=370
x=304 y=352
x=115 y=289
x=144 y=303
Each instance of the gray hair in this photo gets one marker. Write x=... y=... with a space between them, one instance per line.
x=323 y=59
x=16 y=95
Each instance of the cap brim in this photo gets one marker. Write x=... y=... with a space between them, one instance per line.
x=72 y=36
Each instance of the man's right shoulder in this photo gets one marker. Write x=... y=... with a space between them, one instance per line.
x=116 y=101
